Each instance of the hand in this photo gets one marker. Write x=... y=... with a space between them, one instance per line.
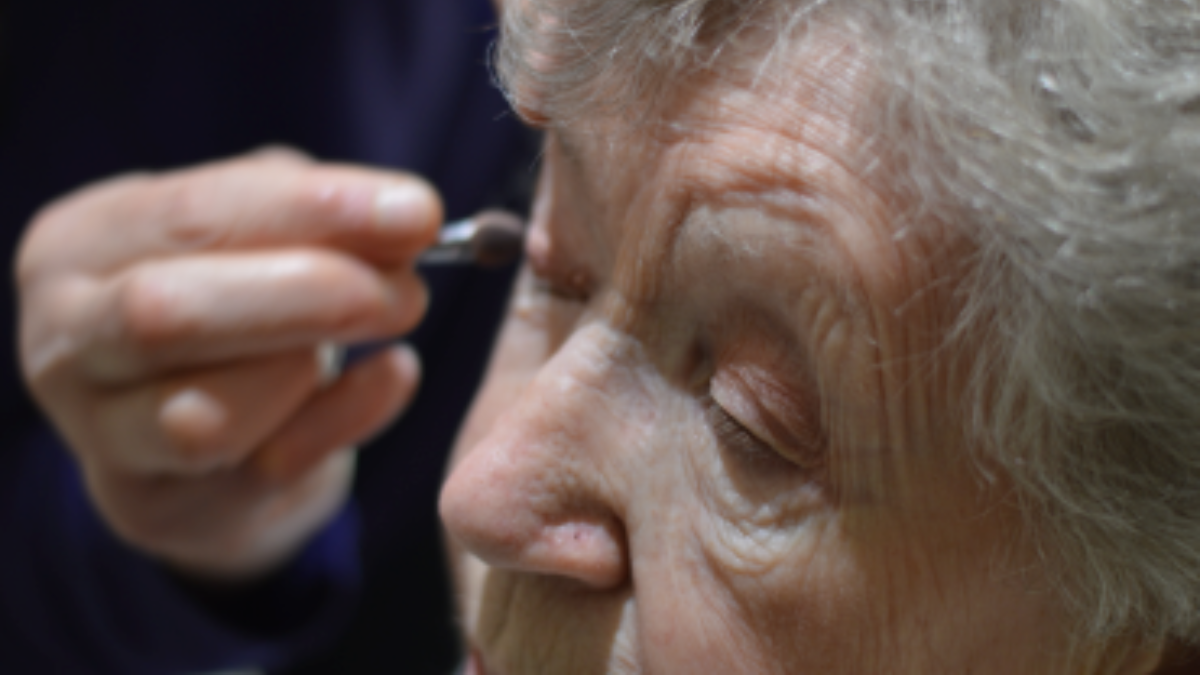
x=171 y=327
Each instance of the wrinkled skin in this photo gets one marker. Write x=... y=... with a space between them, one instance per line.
x=709 y=442
x=170 y=327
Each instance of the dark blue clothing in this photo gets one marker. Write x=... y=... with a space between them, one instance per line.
x=91 y=88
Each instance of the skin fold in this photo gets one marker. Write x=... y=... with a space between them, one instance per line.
x=711 y=440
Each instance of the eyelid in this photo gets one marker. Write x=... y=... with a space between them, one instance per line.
x=794 y=433
x=731 y=432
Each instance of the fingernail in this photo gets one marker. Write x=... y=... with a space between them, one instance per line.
x=402 y=206
x=330 y=358
x=407 y=359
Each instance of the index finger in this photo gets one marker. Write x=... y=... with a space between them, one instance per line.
x=254 y=202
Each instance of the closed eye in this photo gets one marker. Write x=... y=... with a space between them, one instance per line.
x=751 y=427
x=734 y=436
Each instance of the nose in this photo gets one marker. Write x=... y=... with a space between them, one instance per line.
x=541 y=492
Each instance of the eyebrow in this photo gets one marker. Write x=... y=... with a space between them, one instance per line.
x=784 y=238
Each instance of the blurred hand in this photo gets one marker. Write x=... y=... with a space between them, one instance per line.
x=172 y=328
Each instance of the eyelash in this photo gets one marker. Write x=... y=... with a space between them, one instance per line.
x=734 y=435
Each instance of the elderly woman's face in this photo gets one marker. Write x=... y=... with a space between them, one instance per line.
x=709 y=443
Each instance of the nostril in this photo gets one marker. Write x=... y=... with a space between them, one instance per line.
x=589 y=552
x=497 y=522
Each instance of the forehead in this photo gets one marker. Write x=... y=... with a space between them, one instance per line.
x=785 y=134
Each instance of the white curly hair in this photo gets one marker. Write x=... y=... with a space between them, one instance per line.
x=1062 y=139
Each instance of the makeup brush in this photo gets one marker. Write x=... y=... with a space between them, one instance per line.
x=491 y=238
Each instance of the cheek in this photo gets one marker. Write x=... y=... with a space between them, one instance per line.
x=825 y=593
x=740 y=570
x=752 y=596
x=729 y=579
